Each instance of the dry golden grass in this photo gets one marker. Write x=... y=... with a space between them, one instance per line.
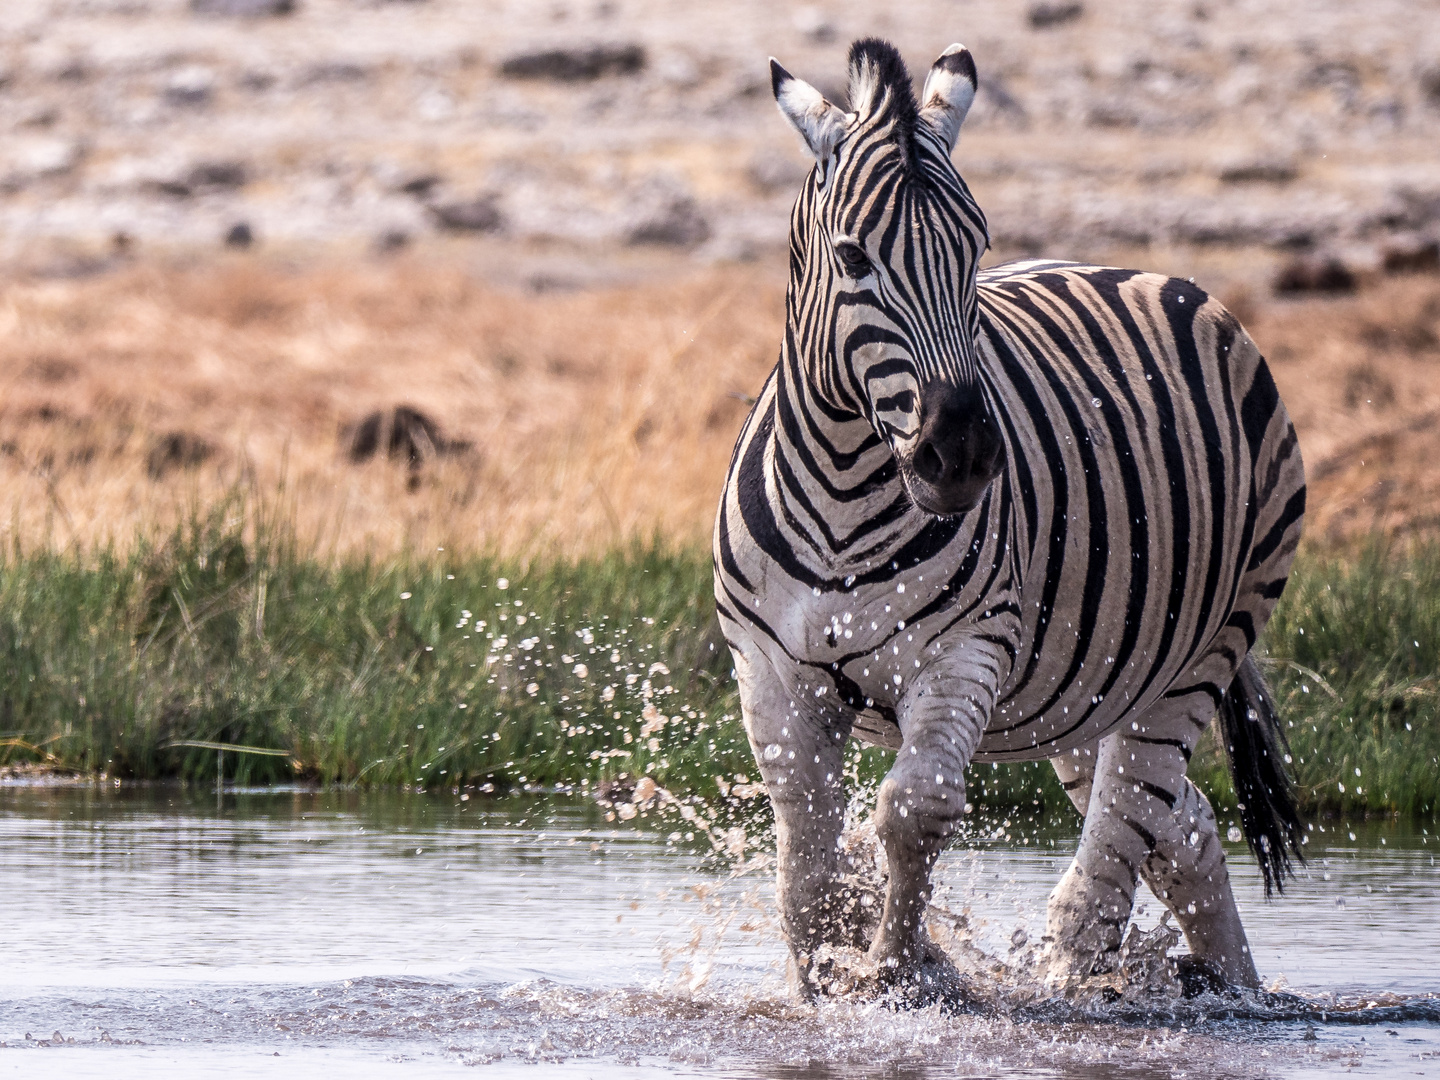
x=593 y=417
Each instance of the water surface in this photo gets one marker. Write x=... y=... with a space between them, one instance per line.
x=153 y=932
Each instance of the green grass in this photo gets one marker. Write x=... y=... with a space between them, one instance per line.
x=611 y=668
x=1354 y=659
x=431 y=672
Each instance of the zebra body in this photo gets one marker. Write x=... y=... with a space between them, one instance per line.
x=1082 y=561
x=1039 y=511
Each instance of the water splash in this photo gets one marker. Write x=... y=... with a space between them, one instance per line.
x=1152 y=984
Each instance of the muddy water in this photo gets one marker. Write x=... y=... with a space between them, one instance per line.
x=155 y=933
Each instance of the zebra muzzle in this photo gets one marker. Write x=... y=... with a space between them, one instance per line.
x=957 y=454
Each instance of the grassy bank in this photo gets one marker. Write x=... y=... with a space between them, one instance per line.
x=432 y=672
x=445 y=671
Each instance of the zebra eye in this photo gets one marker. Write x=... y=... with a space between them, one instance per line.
x=853 y=258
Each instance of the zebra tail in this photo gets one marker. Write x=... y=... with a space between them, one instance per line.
x=1257 y=749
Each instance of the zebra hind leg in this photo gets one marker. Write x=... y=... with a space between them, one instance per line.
x=1187 y=872
x=1145 y=819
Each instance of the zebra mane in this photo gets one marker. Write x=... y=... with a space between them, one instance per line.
x=881 y=91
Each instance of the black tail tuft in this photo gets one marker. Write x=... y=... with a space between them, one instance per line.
x=1257 y=749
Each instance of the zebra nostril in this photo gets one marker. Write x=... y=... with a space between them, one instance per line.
x=928 y=464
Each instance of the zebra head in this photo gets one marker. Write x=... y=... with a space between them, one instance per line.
x=885 y=242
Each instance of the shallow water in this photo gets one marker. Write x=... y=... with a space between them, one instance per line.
x=159 y=934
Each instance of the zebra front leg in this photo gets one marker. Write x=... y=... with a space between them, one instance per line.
x=1088 y=909
x=921 y=801
x=800 y=756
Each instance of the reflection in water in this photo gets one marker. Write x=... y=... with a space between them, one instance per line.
x=152 y=933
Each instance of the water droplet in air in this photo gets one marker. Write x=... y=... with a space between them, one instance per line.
x=1095 y=401
x=1233 y=834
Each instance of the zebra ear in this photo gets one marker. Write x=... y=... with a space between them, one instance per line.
x=819 y=123
x=949 y=92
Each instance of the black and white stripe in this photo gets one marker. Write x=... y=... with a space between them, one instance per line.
x=993 y=515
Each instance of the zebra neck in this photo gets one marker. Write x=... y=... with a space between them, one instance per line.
x=832 y=484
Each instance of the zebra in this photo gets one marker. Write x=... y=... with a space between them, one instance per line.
x=1039 y=511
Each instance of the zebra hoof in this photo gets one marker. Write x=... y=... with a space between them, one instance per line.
x=1063 y=969
x=934 y=981
x=1198 y=977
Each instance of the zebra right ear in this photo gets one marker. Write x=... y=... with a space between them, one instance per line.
x=819 y=123
x=949 y=92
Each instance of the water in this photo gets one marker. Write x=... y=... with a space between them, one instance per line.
x=157 y=934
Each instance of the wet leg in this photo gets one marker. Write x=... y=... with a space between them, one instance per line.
x=1089 y=908
x=800 y=754
x=1145 y=818
x=922 y=798
x=1187 y=873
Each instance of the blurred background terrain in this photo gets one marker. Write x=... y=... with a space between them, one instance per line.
x=501 y=275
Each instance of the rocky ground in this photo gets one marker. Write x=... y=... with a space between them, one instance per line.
x=536 y=130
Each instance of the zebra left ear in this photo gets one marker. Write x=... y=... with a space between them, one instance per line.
x=949 y=93
x=819 y=123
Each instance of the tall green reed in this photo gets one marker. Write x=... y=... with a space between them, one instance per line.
x=470 y=670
